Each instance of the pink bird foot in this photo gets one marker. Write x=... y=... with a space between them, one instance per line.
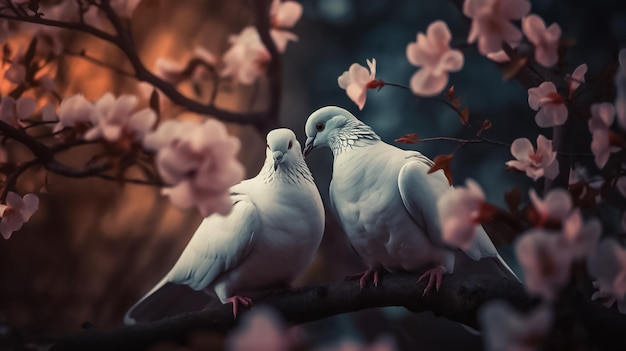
x=236 y=300
x=365 y=276
x=435 y=275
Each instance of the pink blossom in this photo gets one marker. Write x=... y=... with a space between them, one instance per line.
x=576 y=78
x=504 y=328
x=538 y=163
x=546 y=40
x=113 y=119
x=175 y=72
x=601 y=147
x=499 y=56
x=607 y=298
x=491 y=22
x=608 y=266
x=16 y=212
x=556 y=206
x=260 y=330
x=620 y=90
x=12 y=111
x=432 y=52
x=124 y=8
x=550 y=105
x=459 y=212
x=579 y=237
x=546 y=263
x=284 y=15
x=247 y=58
x=356 y=80
x=74 y=110
x=199 y=161
x=602 y=116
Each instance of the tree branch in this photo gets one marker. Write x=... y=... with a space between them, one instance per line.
x=123 y=40
x=459 y=299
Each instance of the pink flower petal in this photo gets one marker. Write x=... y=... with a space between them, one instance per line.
x=14 y=200
x=577 y=77
x=545 y=262
x=602 y=116
x=31 y=204
x=521 y=148
x=545 y=40
x=551 y=115
x=438 y=33
x=288 y=13
x=533 y=27
x=424 y=83
x=142 y=121
x=357 y=94
x=514 y=9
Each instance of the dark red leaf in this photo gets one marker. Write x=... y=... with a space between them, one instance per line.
x=443 y=162
x=450 y=93
x=408 y=139
x=464 y=116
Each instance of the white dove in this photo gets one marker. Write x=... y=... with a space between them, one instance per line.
x=269 y=237
x=386 y=201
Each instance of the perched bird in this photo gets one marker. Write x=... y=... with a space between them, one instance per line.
x=386 y=201
x=269 y=237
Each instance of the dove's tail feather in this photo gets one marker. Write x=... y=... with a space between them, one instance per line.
x=164 y=300
x=506 y=266
x=489 y=265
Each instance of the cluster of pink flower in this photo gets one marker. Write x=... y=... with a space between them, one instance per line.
x=247 y=58
x=463 y=209
x=196 y=160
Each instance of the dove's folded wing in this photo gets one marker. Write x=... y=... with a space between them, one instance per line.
x=420 y=192
x=218 y=245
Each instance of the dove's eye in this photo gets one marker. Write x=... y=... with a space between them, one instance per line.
x=290 y=144
x=268 y=146
x=319 y=127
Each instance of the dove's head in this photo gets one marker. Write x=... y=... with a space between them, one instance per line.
x=323 y=124
x=282 y=147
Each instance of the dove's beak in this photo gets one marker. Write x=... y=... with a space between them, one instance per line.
x=278 y=158
x=308 y=145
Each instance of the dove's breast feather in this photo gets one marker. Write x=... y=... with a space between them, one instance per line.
x=365 y=196
x=291 y=217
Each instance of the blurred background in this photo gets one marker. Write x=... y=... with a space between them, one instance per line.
x=94 y=247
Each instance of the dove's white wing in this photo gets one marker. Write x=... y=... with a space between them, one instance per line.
x=420 y=192
x=218 y=245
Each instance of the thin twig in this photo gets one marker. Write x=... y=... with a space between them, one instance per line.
x=99 y=62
